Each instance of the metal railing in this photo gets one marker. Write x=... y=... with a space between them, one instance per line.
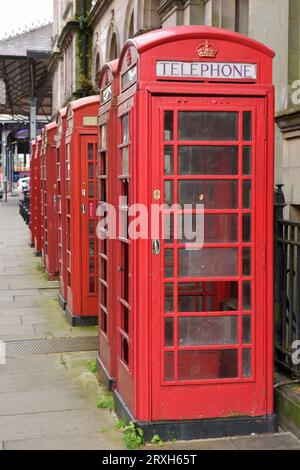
x=287 y=286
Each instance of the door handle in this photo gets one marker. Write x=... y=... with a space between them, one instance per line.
x=83 y=209
x=156 y=247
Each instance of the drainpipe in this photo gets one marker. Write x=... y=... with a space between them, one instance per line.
x=84 y=38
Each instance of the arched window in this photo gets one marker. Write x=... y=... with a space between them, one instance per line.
x=113 y=48
x=131 y=26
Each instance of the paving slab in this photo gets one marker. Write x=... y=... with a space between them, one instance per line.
x=12 y=331
x=283 y=441
x=8 y=321
x=45 y=404
x=70 y=441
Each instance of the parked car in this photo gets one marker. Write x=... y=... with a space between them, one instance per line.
x=21 y=184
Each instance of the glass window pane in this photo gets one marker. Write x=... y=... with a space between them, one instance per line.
x=92 y=285
x=103 y=270
x=169 y=366
x=123 y=223
x=92 y=227
x=247 y=329
x=247 y=363
x=103 y=164
x=125 y=319
x=214 y=194
x=247 y=194
x=207 y=125
x=169 y=193
x=247 y=126
x=246 y=295
x=103 y=323
x=207 y=296
x=91 y=190
x=218 y=228
x=169 y=160
x=208 y=262
x=201 y=365
x=91 y=171
x=169 y=298
x=201 y=331
x=103 y=137
x=125 y=161
x=247 y=161
x=169 y=332
x=247 y=228
x=169 y=263
x=125 y=129
x=169 y=228
x=92 y=266
x=169 y=125
x=90 y=152
x=246 y=261
x=125 y=351
x=197 y=160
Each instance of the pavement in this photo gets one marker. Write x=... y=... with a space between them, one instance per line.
x=48 y=400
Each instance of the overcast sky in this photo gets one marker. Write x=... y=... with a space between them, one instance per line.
x=20 y=14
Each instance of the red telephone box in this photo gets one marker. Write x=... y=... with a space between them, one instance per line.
x=106 y=193
x=80 y=194
x=48 y=201
x=61 y=121
x=33 y=149
x=35 y=200
x=194 y=333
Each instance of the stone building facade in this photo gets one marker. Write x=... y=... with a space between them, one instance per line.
x=107 y=24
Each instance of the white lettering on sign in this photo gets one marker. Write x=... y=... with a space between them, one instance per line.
x=219 y=70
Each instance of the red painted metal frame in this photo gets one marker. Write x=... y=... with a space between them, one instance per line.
x=141 y=385
x=81 y=305
x=37 y=197
x=61 y=121
x=48 y=194
x=107 y=174
x=255 y=401
x=32 y=176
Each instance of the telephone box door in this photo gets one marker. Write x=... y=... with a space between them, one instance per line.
x=208 y=294
x=88 y=222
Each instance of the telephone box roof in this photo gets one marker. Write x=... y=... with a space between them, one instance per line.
x=178 y=33
x=82 y=102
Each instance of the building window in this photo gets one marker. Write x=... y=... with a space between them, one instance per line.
x=131 y=27
x=113 y=49
x=227 y=14
x=242 y=16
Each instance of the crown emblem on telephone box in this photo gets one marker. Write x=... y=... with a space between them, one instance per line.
x=207 y=50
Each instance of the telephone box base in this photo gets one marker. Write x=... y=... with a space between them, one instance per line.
x=62 y=302
x=104 y=377
x=37 y=254
x=51 y=277
x=80 y=321
x=199 y=429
